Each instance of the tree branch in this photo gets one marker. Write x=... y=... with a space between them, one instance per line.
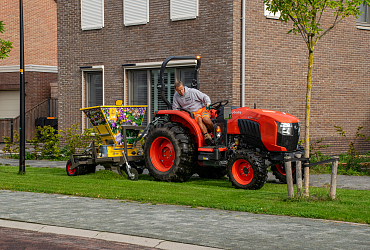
x=331 y=27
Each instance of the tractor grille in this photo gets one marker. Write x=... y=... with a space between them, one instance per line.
x=289 y=142
x=250 y=128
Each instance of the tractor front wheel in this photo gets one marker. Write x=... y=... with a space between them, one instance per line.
x=169 y=153
x=247 y=171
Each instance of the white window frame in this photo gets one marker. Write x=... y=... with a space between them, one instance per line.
x=92 y=12
x=135 y=6
x=269 y=14
x=183 y=6
x=85 y=70
x=364 y=25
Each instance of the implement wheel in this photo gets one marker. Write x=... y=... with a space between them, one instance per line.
x=247 y=171
x=71 y=172
x=169 y=153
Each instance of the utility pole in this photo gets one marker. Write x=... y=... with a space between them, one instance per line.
x=22 y=133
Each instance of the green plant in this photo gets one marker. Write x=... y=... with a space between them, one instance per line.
x=50 y=139
x=76 y=141
x=352 y=162
x=12 y=147
x=5 y=46
x=36 y=144
x=316 y=147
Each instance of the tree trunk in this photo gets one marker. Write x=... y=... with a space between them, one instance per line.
x=307 y=117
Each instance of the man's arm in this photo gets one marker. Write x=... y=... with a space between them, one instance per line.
x=203 y=97
x=175 y=103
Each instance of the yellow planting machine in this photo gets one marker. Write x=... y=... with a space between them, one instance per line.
x=119 y=127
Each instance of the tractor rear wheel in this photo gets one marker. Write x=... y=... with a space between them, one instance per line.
x=169 y=153
x=279 y=171
x=247 y=171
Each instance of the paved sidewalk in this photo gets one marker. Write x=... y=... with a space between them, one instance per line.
x=178 y=227
x=169 y=224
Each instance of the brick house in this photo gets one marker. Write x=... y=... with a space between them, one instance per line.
x=40 y=50
x=109 y=50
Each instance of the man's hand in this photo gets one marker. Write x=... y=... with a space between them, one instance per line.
x=208 y=106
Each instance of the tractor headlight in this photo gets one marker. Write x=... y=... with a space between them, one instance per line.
x=218 y=132
x=285 y=128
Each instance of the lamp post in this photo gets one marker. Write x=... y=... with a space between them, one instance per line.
x=22 y=134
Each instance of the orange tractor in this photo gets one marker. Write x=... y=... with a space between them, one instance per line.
x=246 y=142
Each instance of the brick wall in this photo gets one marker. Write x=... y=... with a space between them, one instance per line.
x=277 y=70
x=40 y=31
x=276 y=63
x=37 y=87
x=115 y=44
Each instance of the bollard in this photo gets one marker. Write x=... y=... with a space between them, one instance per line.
x=289 y=178
x=298 y=175
x=333 y=184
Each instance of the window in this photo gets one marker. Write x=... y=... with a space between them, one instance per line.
x=135 y=12
x=363 y=21
x=143 y=87
x=183 y=9
x=269 y=14
x=92 y=89
x=92 y=14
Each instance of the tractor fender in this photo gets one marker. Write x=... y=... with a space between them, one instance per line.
x=188 y=122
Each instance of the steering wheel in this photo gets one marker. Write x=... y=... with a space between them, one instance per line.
x=219 y=104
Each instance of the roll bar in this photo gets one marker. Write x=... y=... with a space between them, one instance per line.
x=194 y=83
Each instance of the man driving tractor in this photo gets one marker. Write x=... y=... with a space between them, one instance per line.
x=196 y=102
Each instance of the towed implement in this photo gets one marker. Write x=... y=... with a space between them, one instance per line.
x=118 y=126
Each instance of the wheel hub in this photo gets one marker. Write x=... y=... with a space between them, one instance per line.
x=162 y=154
x=242 y=172
x=245 y=170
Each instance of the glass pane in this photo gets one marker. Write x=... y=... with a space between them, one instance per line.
x=95 y=89
x=140 y=88
x=363 y=9
x=187 y=76
x=156 y=100
x=140 y=91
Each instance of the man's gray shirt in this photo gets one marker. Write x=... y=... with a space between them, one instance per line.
x=192 y=100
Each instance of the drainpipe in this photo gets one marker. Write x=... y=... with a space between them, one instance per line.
x=243 y=54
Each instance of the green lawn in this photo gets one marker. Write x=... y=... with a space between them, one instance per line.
x=351 y=205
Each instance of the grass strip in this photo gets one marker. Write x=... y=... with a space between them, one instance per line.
x=350 y=206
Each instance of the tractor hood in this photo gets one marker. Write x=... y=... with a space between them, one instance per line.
x=265 y=127
x=256 y=114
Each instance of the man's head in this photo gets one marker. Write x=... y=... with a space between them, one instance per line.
x=179 y=87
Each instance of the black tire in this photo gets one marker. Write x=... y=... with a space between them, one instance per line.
x=169 y=153
x=71 y=172
x=279 y=171
x=247 y=171
x=135 y=173
x=90 y=169
x=210 y=172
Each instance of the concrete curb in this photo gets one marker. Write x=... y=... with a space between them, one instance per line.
x=129 y=239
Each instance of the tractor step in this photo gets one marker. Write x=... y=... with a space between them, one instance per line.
x=211 y=153
x=211 y=149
